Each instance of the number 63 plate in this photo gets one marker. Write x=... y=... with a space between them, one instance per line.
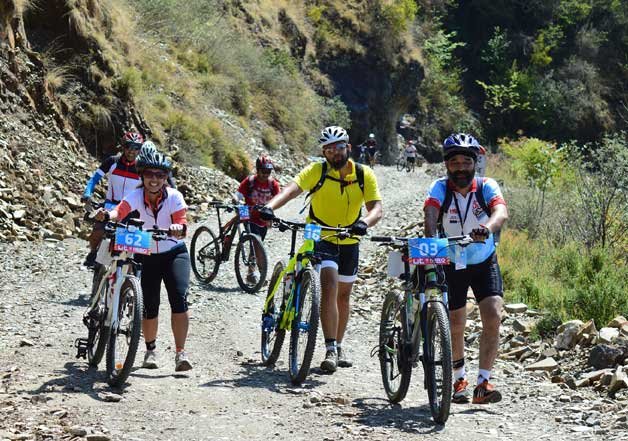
x=136 y=241
x=428 y=251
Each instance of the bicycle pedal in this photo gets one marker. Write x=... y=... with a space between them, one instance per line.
x=82 y=345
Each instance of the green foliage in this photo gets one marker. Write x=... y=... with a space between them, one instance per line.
x=315 y=13
x=546 y=41
x=536 y=161
x=398 y=14
x=269 y=138
x=440 y=48
x=496 y=54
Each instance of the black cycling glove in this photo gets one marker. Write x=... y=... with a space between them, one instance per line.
x=266 y=213
x=359 y=228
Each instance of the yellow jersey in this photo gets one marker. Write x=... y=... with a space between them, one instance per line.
x=335 y=204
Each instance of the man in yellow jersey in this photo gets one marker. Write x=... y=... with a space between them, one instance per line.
x=338 y=187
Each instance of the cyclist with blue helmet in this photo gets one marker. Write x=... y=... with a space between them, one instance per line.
x=464 y=204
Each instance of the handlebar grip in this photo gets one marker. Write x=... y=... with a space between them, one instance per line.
x=381 y=239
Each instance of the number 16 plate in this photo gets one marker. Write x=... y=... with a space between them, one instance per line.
x=136 y=241
x=428 y=251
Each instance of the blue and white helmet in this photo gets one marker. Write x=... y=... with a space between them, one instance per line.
x=332 y=134
x=460 y=143
x=148 y=146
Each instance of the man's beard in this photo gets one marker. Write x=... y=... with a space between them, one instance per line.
x=337 y=164
x=461 y=179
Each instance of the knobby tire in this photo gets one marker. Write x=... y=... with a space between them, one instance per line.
x=310 y=292
x=437 y=357
x=244 y=251
x=205 y=266
x=273 y=336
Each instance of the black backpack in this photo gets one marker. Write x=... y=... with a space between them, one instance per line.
x=359 y=171
x=479 y=196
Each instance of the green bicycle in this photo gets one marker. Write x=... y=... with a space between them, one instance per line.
x=296 y=306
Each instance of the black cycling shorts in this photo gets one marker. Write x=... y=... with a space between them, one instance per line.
x=173 y=267
x=485 y=279
x=256 y=229
x=410 y=159
x=344 y=258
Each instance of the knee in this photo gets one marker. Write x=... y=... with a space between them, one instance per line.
x=179 y=303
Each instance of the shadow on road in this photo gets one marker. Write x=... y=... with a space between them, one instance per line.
x=76 y=377
x=378 y=412
x=258 y=376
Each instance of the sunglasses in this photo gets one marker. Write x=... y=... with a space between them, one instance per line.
x=133 y=146
x=154 y=174
x=264 y=171
x=336 y=146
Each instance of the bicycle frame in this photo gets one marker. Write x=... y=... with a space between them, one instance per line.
x=229 y=229
x=296 y=263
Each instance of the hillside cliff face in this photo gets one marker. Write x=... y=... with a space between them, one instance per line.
x=357 y=50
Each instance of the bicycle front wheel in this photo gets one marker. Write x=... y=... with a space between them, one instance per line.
x=395 y=367
x=251 y=264
x=400 y=164
x=205 y=254
x=437 y=361
x=98 y=333
x=305 y=326
x=123 y=341
x=272 y=335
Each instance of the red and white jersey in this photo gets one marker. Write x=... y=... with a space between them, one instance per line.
x=122 y=177
x=169 y=209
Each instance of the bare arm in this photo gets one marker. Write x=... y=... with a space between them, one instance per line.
x=430 y=224
x=375 y=213
x=289 y=192
x=499 y=215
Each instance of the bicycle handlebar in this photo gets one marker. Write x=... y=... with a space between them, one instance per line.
x=459 y=240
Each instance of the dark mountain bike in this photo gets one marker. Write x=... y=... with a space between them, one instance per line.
x=412 y=333
x=209 y=250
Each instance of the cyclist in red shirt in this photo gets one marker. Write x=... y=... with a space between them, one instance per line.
x=258 y=189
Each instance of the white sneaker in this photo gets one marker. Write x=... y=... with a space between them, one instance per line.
x=150 y=360
x=181 y=362
x=253 y=278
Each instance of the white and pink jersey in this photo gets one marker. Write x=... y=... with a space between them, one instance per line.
x=170 y=209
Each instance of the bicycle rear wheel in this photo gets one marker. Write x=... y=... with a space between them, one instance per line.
x=205 y=254
x=437 y=361
x=251 y=263
x=305 y=326
x=123 y=341
x=97 y=332
x=272 y=335
x=396 y=369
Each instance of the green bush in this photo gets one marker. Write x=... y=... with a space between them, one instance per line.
x=269 y=138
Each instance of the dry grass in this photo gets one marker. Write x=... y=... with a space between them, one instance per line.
x=56 y=77
x=100 y=116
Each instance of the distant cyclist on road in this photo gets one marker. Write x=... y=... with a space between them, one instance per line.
x=410 y=152
x=462 y=204
x=163 y=207
x=344 y=187
x=371 y=145
x=122 y=178
x=258 y=189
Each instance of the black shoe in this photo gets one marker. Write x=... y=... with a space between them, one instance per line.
x=90 y=260
x=330 y=362
x=343 y=362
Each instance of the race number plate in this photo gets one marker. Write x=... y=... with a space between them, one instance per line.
x=312 y=232
x=244 y=213
x=428 y=251
x=136 y=241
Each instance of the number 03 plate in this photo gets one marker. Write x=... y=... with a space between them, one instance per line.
x=428 y=251
x=137 y=241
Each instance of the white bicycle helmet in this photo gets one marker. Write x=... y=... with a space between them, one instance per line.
x=332 y=134
x=371 y=136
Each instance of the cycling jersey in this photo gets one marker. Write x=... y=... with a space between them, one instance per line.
x=170 y=209
x=410 y=152
x=256 y=192
x=122 y=177
x=465 y=214
x=337 y=204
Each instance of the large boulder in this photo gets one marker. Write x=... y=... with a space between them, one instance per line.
x=604 y=356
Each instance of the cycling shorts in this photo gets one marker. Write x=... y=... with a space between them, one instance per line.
x=173 y=267
x=410 y=159
x=259 y=230
x=343 y=258
x=485 y=280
